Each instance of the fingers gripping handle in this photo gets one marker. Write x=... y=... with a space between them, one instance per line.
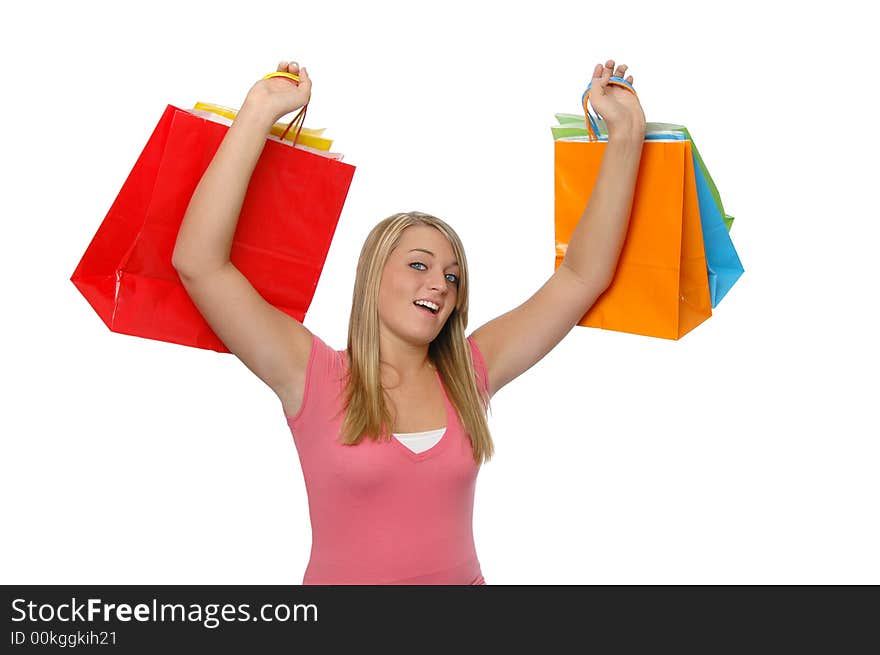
x=592 y=126
x=290 y=76
x=300 y=117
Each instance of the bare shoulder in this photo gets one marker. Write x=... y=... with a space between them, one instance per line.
x=271 y=343
x=291 y=389
x=481 y=344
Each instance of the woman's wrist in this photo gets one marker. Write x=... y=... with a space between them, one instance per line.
x=630 y=133
x=256 y=113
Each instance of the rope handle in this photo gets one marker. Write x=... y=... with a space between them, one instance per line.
x=300 y=117
x=592 y=126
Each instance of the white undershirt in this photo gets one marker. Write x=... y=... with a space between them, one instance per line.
x=419 y=442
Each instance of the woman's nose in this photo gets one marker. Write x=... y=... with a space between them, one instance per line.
x=439 y=283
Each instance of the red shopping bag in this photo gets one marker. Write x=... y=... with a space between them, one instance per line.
x=286 y=224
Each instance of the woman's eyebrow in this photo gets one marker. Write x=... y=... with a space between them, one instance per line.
x=432 y=254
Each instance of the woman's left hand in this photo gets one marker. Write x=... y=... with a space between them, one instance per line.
x=619 y=107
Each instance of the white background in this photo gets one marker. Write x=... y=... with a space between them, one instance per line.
x=747 y=452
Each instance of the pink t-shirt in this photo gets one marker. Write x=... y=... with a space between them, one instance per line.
x=381 y=513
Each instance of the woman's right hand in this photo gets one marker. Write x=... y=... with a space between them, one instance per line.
x=278 y=96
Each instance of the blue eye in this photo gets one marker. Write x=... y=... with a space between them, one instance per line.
x=454 y=277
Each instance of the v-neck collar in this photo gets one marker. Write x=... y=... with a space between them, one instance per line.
x=444 y=440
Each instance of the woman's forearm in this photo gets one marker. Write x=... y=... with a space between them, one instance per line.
x=204 y=241
x=595 y=245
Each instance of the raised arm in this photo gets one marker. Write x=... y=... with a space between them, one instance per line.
x=514 y=342
x=272 y=344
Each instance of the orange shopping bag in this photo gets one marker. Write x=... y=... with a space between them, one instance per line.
x=660 y=287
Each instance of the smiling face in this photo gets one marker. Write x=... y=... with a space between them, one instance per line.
x=421 y=267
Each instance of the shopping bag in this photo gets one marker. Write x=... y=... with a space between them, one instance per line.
x=574 y=125
x=660 y=286
x=286 y=224
x=723 y=265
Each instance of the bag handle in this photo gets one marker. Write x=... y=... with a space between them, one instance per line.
x=300 y=116
x=592 y=126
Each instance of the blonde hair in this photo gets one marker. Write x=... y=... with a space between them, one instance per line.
x=367 y=411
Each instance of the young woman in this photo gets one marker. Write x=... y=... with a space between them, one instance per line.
x=391 y=431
